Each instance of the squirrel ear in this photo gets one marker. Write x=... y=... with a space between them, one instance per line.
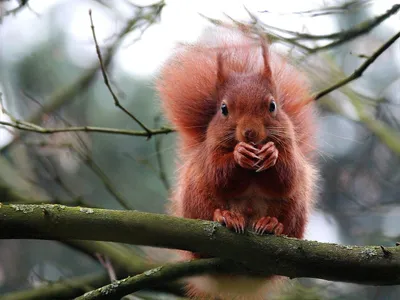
x=265 y=54
x=220 y=71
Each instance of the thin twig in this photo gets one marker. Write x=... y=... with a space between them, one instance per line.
x=342 y=36
x=106 y=81
x=55 y=176
x=160 y=161
x=358 y=72
x=107 y=264
x=92 y=165
x=26 y=126
x=338 y=38
x=95 y=168
x=348 y=6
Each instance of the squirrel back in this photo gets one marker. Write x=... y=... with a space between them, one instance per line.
x=187 y=85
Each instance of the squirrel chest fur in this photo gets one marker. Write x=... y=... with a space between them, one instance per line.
x=246 y=124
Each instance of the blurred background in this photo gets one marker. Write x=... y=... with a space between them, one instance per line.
x=49 y=76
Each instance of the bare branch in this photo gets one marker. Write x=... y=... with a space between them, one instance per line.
x=338 y=38
x=106 y=82
x=337 y=9
x=358 y=72
x=26 y=126
x=342 y=36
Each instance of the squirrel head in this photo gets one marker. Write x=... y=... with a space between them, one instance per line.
x=248 y=109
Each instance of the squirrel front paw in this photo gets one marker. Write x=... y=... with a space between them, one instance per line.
x=268 y=156
x=269 y=225
x=230 y=219
x=246 y=156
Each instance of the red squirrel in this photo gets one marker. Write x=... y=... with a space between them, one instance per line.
x=246 y=122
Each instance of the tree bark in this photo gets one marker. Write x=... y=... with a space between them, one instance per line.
x=372 y=265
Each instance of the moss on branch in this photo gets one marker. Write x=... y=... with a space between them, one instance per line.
x=263 y=254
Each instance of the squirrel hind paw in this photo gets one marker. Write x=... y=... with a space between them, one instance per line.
x=231 y=220
x=268 y=225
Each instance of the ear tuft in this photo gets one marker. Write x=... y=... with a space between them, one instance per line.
x=220 y=71
x=267 y=74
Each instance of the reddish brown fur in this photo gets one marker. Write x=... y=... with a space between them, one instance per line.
x=209 y=177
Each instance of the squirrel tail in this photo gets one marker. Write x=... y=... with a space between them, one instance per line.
x=229 y=287
x=185 y=85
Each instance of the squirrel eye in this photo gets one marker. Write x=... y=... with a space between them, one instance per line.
x=224 y=109
x=272 y=106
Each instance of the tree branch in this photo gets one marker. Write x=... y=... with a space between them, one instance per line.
x=329 y=10
x=107 y=83
x=154 y=277
x=346 y=35
x=267 y=254
x=338 y=38
x=358 y=72
x=22 y=125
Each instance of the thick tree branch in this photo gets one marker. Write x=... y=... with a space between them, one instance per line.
x=358 y=72
x=266 y=254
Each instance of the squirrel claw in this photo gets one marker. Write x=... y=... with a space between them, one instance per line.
x=269 y=156
x=269 y=225
x=230 y=219
x=245 y=156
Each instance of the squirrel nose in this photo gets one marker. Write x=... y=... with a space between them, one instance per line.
x=249 y=134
